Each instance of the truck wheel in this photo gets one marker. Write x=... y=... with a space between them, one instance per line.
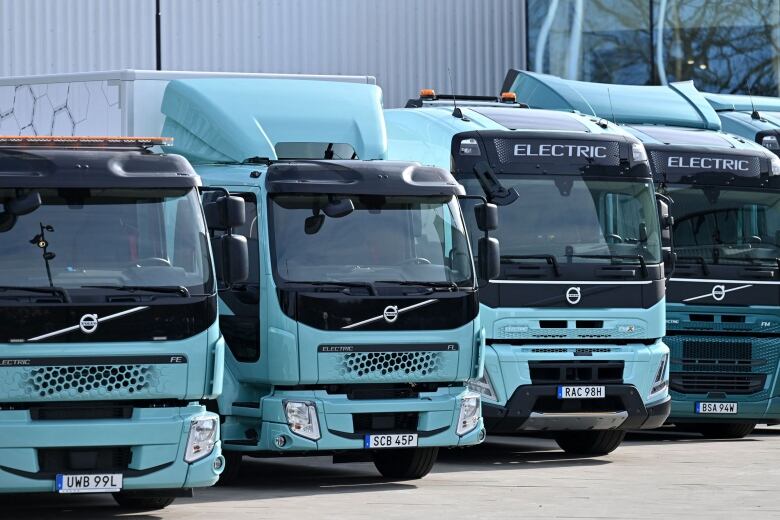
x=142 y=501
x=724 y=430
x=591 y=442
x=229 y=475
x=412 y=463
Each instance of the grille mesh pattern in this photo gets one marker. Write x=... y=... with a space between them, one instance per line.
x=64 y=381
x=390 y=363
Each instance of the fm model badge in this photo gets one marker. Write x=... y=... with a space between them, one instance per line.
x=390 y=313
x=573 y=295
x=88 y=323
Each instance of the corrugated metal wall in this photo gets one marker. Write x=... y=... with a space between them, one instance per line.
x=406 y=44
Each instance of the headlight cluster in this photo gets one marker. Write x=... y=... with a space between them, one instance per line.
x=661 y=381
x=470 y=413
x=302 y=419
x=638 y=152
x=204 y=432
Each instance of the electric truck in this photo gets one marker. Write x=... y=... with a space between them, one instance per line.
x=722 y=304
x=574 y=321
x=358 y=327
x=756 y=118
x=108 y=313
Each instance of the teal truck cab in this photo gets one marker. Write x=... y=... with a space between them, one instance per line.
x=358 y=327
x=108 y=322
x=574 y=321
x=756 y=118
x=723 y=304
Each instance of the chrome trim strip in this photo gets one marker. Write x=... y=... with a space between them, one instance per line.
x=573 y=282
x=715 y=281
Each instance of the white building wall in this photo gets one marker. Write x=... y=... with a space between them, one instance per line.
x=406 y=44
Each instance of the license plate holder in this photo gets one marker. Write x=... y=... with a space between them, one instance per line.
x=390 y=440
x=582 y=392
x=717 y=408
x=88 y=483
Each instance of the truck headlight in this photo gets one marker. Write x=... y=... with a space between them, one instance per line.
x=775 y=165
x=204 y=431
x=770 y=142
x=638 y=152
x=469 y=147
x=483 y=386
x=302 y=419
x=661 y=382
x=470 y=413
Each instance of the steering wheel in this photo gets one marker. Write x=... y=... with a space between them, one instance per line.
x=417 y=261
x=616 y=238
x=152 y=261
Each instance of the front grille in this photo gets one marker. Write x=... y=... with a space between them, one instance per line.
x=384 y=422
x=58 y=460
x=382 y=391
x=79 y=413
x=62 y=382
x=702 y=383
x=705 y=355
x=555 y=372
x=364 y=364
x=550 y=404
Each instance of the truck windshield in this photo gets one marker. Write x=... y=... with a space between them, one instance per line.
x=389 y=239
x=725 y=225
x=571 y=219
x=86 y=237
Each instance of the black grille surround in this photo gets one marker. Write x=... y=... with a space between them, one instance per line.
x=705 y=382
x=109 y=459
x=578 y=372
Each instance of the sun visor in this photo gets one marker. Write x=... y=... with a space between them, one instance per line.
x=722 y=102
x=678 y=104
x=235 y=119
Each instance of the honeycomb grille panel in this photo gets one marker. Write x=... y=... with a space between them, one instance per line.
x=390 y=364
x=97 y=380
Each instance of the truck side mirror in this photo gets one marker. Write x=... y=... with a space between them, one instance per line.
x=486 y=216
x=489 y=258
x=24 y=204
x=231 y=259
x=667 y=233
x=225 y=212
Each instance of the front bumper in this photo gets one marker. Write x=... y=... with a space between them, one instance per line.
x=536 y=408
x=765 y=411
x=156 y=438
x=437 y=418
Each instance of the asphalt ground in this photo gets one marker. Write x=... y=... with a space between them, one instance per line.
x=654 y=475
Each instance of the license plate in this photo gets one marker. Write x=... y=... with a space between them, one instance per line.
x=98 y=483
x=727 y=408
x=581 y=392
x=395 y=440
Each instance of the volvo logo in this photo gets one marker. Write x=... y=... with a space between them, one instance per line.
x=390 y=313
x=718 y=292
x=573 y=295
x=88 y=323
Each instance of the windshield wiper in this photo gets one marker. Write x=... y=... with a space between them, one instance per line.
x=551 y=260
x=639 y=258
x=437 y=284
x=57 y=291
x=165 y=289
x=696 y=260
x=366 y=285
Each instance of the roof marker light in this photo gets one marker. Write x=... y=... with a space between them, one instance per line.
x=427 y=93
x=508 y=97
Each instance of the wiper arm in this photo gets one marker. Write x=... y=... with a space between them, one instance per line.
x=165 y=289
x=551 y=260
x=639 y=258
x=57 y=291
x=438 y=284
x=696 y=260
x=366 y=285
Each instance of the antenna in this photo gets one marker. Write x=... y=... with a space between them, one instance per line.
x=611 y=108
x=754 y=114
x=456 y=112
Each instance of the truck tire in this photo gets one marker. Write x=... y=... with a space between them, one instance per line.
x=229 y=475
x=141 y=501
x=724 y=430
x=591 y=442
x=407 y=464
